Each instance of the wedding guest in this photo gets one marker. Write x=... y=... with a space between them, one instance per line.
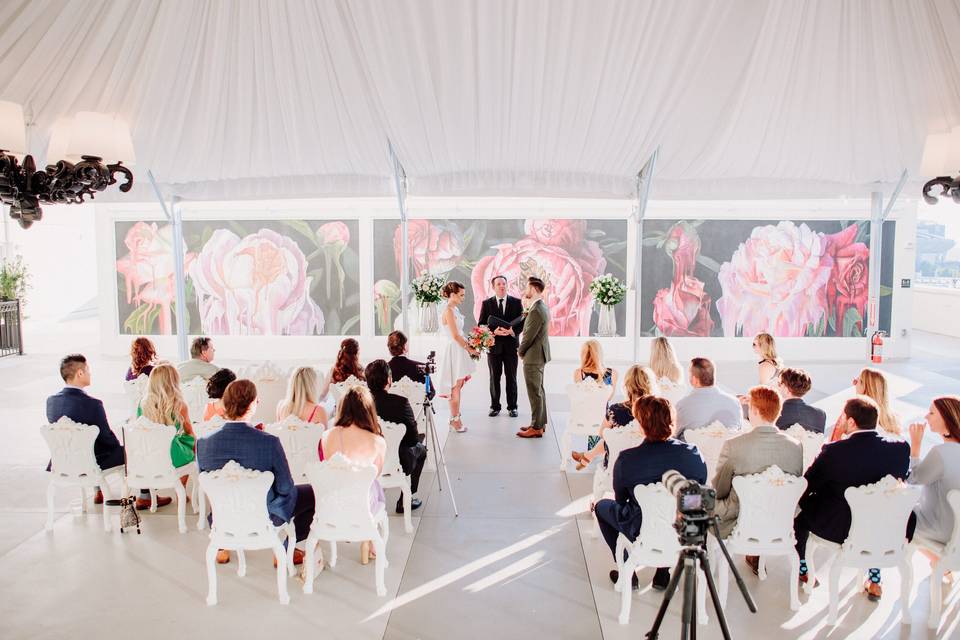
x=73 y=402
x=142 y=358
x=638 y=382
x=164 y=404
x=762 y=446
x=200 y=363
x=591 y=368
x=257 y=450
x=770 y=364
x=356 y=434
x=706 y=403
x=346 y=365
x=395 y=408
x=216 y=385
x=301 y=399
x=645 y=464
x=873 y=384
x=939 y=471
x=793 y=385
x=864 y=457
x=666 y=367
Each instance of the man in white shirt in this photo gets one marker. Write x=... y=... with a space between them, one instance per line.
x=200 y=362
x=706 y=403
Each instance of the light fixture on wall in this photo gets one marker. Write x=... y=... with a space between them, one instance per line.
x=78 y=146
x=941 y=158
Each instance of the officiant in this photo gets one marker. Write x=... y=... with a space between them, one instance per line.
x=503 y=314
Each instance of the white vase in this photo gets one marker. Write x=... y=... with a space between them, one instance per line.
x=607 y=323
x=429 y=320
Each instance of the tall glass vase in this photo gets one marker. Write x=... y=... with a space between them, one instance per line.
x=607 y=324
x=429 y=320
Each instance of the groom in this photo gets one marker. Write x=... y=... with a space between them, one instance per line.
x=535 y=352
x=502 y=358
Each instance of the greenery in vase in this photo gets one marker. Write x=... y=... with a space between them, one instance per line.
x=608 y=290
x=14 y=279
x=427 y=288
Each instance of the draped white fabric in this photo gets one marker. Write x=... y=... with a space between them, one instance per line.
x=504 y=97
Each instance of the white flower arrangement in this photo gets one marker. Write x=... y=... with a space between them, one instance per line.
x=608 y=290
x=427 y=288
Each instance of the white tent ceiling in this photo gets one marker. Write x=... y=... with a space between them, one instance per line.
x=236 y=99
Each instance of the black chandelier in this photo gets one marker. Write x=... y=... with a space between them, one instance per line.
x=949 y=187
x=24 y=188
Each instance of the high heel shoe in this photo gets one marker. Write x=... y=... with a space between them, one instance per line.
x=581 y=460
x=456 y=424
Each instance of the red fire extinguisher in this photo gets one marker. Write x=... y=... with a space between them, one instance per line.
x=876 y=347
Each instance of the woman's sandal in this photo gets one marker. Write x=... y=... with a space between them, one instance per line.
x=580 y=459
x=454 y=422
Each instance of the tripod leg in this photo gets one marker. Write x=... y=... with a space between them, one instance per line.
x=712 y=588
x=441 y=463
x=689 y=597
x=665 y=603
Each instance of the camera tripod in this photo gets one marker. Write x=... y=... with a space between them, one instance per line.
x=431 y=433
x=690 y=555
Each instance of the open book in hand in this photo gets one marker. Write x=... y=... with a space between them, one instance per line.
x=494 y=323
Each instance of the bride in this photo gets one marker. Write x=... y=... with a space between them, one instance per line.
x=455 y=366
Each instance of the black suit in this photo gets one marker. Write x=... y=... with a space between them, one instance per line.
x=796 y=411
x=413 y=454
x=79 y=407
x=503 y=358
x=404 y=367
x=862 y=458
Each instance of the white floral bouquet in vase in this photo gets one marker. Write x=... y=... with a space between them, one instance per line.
x=426 y=290
x=607 y=291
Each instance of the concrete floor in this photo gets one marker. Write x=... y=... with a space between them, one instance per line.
x=518 y=562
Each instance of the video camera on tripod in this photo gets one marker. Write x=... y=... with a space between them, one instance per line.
x=695 y=505
x=429 y=367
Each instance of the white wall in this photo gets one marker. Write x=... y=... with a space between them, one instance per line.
x=937 y=310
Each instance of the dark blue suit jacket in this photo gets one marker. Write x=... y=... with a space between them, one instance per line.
x=252 y=449
x=859 y=459
x=646 y=464
x=79 y=407
x=796 y=411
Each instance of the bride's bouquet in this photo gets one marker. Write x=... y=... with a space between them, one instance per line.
x=481 y=339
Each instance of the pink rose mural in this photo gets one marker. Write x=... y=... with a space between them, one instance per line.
x=433 y=247
x=683 y=309
x=850 y=277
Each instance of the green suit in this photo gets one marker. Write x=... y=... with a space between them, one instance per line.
x=535 y=351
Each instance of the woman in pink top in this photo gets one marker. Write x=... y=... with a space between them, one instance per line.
x=356 y=435
x=302 y=394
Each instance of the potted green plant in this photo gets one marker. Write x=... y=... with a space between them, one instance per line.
x=14 y=279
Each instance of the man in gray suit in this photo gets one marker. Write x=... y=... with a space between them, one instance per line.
x=754 y=451
x=534 y=350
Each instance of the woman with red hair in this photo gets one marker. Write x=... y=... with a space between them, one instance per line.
x=143 y=356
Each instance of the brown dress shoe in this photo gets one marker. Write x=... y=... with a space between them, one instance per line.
x=297 y=558
x=873 y=591
x=754 y=563
x=530 y=433
x=223 y=556
x=144 y=503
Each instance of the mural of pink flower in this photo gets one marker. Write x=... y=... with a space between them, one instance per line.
x=683 y=309
x=557 y=232
x=333 y=233
x=850 y=277
x=775 y=282
x=431 y=247
x=148 y=269
x=254 y=286
x=567 y=294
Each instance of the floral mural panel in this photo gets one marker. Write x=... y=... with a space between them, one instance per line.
x=566 y=253
x=243 y=277
x=743 y=277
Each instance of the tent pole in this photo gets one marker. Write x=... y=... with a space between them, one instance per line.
x=644 y=179
x=400 y=183
x=174 y=217
x=878 y=215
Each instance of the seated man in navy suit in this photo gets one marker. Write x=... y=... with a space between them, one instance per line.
x=862 y=457
x=74 y=403
x=253 y=449
x=646 y=464
x=793 y=384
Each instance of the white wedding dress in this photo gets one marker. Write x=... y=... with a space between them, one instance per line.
x=453 y=363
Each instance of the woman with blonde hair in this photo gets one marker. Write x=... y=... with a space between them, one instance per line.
x=164 y=404
x=873 y=384
x=638 y=382
x=591 y=368
x=666 y=367
x=770 y=363
x=302 y=395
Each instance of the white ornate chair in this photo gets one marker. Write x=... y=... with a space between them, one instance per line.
x=877 y=539
x=709 y=440
x=415 y=392
x=341 y=490
x=672 y=391
x=392 y=475
x=204 y=428
x=616 y=439
x=768 y=501
x=656 y=545
x=948 y=559
x=73 y=463
x=588 y=409
x=300 y=441
x=149 y=466
x=134 y=390
x=339 y=389
x=811 y=441
x=194 y=393
x=242 y=523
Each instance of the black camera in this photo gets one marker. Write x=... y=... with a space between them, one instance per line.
x=429 y=367
x=695 y=505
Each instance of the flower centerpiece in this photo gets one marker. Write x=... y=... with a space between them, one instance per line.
x=426 y=290
x=607 y=291
x=481 y=339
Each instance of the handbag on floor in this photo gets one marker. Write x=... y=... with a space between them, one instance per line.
x=129 y=518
